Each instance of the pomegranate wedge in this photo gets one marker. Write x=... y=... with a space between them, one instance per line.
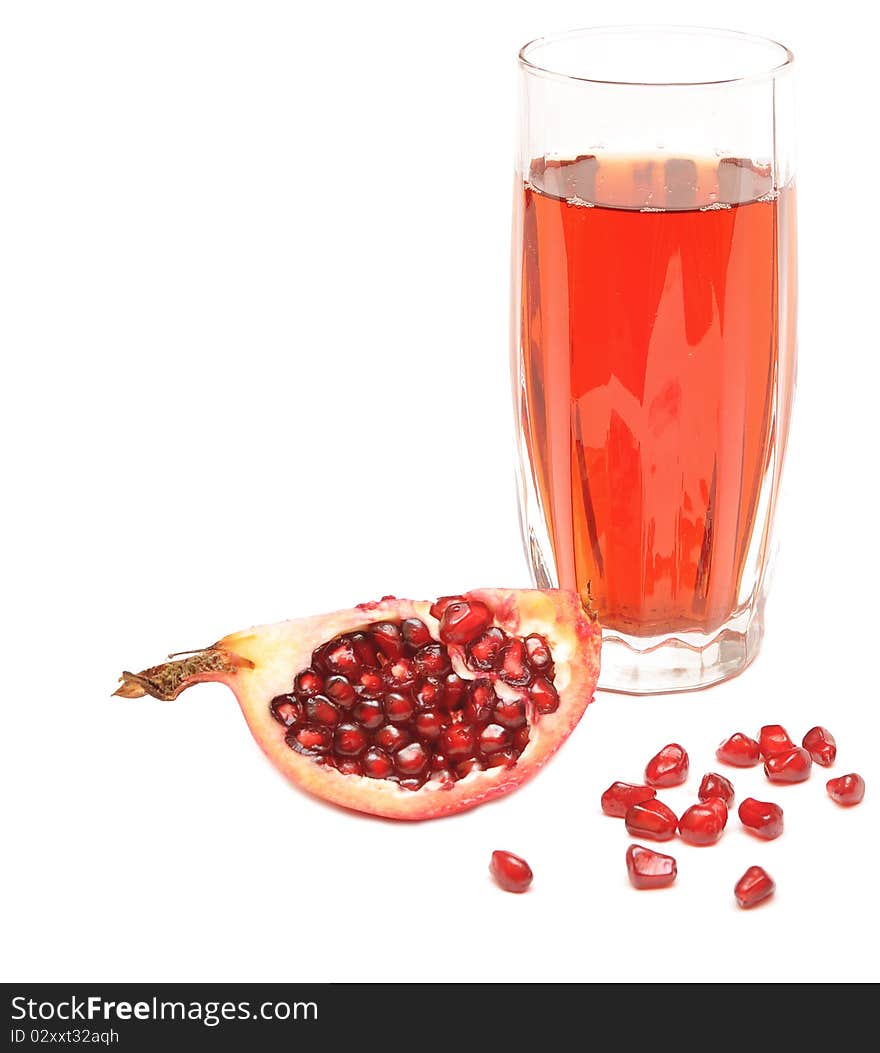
x=404 y=708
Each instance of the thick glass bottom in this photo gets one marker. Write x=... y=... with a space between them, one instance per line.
x=649 y=665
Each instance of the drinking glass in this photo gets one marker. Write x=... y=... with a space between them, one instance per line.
x=654 y=336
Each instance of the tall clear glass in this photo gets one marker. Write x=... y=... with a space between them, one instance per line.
x=654 y=336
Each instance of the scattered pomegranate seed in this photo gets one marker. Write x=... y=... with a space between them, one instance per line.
x=820 y=744
x=668 y=767
x=754 y=887
x=340 y=690
x=463 y=621
x=457 y=742
x=739 y=751
x=350 y=740
x=703 y=824
x=414 y=632
x=399 y=708
x=493 y=739
x=484 y=651
x=286 y=710
x=621 y=796
x=649 y=869
x=792 y=766
x=544 y=696
x=307 y=683
x=762 y=818
x=652 y=819
x=538 y=650
x=510 y=713
x=512 y=665
x=846 y=789
x=377 y=764
x=391 y=738
x=412 y=759
x=387 y=637
x=715 y=785
x=320 y=710
x=773 y=739
x=511 y=872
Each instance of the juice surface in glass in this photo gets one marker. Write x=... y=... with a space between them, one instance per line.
x=651 y=375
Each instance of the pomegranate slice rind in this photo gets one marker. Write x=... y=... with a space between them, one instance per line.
x=260 y=664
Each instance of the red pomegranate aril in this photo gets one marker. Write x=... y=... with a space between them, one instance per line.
x=762 y=818
x=320 y=710
x=428 y=725
x=441 y=603
x=820 y=744
x=493 y=738
x=387 y=638
x=463 y=621
x=399 y=707
x=715 y=785
x=457 y=742
x=509 y=713
x=391 y=738
x=365 y=651
x=307 y=683
x=739 y=751
x=503 y=759
x=371 y=684
x=521 y=738
x=512 y=664
x=774 y=739
x=286 y=710
x=649 y=869
x=377 y=764
x=621 y=796
x=429 y=692
x=415 y=633
x=483 y=652
x=538 y=652
x=754 y=887
x=401 y=672
x=703 y=824
x=413 y=782
x=350 y=740
x=309 y=740
x=369 y=713
x=652 y=819
x=481 y=701
x=454 y=692
x=431 y=660
x=340 y=690
x=349 y=766
x=792 y=766
x=466 y=767
x=442 y=776
x=412 y=759
x=543 y=696
x=340 y=658
x=511 y=872
x=846 y=789
x=668 y=767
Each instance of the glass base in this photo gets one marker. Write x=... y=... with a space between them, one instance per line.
x=653 y=665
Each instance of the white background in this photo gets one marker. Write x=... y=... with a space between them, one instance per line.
x=255 y=333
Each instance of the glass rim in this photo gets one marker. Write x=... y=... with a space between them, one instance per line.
x=528 y=66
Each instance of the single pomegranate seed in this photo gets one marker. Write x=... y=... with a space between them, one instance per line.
x=390 y=738
x=773 y=739
x=443 y=776
x=763 y=818
x=820 y=744
x=502 y=759
x=739 y=751
x=415 y=633
x=371 y=684
x=521 y=739
x=538 y=651
x=349 y=766
x=509 y=713
x=340 y=690
x=715 y=785
x=428 y=725
x=431 y=660
x=320 y=710
x=399 y=672
x=483 y=652
x=340 y=658
x=649 y=869
x=454 y=692
x=493 y=738
x=286 y=710
x=399 y=707
x=412 y=759
x=754 y=887
x=387 y=638
x=457 y=742
x=621 y=796
x=512 y=665
x=429 y=692
x=309 y=740
x=511 y=872
x=307 y=683
x=439 y=606
x=377 y=764
x=369 y=713
x=543 y=696
x=438 y=762
x=703 y=824
x=846 y=789
x=791 y=766
x=481 y=701
x=669 y=767
x=652 y=819
x=465 y=767
x=350 y=740
x=364 y=650
x=413 y=782
x=463 y=621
